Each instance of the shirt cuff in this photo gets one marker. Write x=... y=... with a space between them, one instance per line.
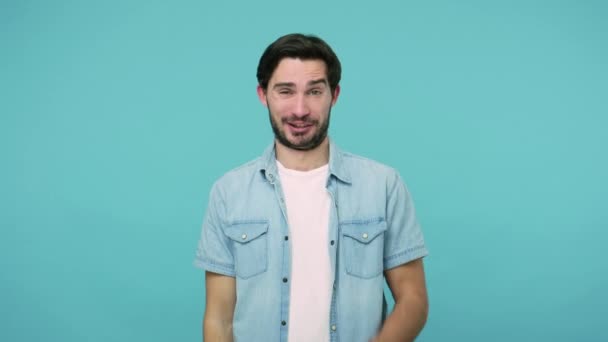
x=214 y=267
x=405 y=257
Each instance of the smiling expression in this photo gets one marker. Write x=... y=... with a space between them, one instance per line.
x=299 y=101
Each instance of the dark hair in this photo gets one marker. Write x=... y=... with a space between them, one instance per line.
x=304 y=47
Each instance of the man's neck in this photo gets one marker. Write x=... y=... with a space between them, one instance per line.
x=303 y=160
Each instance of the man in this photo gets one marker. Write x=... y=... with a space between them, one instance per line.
x=295 y=243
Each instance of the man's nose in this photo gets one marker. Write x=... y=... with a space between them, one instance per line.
x=300 y=108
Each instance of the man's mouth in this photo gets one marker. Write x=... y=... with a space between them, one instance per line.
x=300 y=124
x=300 y=127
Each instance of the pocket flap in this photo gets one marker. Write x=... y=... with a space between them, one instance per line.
x=245 y=232
x=364 y=232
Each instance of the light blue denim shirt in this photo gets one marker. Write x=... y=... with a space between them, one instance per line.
x=372 y=228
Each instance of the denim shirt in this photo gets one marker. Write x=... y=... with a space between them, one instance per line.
x=372 y=228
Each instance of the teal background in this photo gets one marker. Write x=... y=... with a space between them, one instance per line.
x=117 y=116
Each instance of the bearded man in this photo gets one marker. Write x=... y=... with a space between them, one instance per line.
x=297 y=243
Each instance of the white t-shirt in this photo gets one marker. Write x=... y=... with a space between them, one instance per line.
x=308 y=203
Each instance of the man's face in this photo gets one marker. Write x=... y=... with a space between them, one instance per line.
x=299 y=102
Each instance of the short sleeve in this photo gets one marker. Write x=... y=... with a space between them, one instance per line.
x=214 y=253
x=404 y=241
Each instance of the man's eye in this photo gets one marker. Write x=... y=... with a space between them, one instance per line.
x=316 y=92
x=285 y=92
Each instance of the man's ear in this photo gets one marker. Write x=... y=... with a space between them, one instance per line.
x=262 y=95
x=335 y=95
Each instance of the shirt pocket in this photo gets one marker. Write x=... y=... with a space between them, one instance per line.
x=364 y=248
x=250 y=248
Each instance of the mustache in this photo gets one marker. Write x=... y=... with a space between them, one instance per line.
x=295 y=119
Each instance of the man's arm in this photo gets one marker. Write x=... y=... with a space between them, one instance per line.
x=411 y=303
x=221 y=298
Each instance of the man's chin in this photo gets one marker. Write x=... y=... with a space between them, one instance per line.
x=300 y=144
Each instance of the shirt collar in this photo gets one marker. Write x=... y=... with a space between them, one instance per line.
x=268 y=165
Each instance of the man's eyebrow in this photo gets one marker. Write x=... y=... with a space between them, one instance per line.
x=283 y=84
x=291 y=84
x=315 y=82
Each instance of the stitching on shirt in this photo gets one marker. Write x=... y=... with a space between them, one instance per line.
x=228 y=267
x=362 y=221
x=407 y=251
x=249 y=221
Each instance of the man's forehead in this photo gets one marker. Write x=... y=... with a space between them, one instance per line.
x=294 y=70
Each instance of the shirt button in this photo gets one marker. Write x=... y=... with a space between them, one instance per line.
x=365 y=235
x=244 y=236
x=283 y=323
x=333 y=327
x=284 y=280
x=332 y=242
x=286 y=237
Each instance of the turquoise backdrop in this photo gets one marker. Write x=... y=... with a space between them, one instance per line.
x=117 y=116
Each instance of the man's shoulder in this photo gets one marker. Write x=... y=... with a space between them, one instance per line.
x=241 y=172
x=359 y=164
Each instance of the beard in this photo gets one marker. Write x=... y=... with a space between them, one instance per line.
x=301 y=144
